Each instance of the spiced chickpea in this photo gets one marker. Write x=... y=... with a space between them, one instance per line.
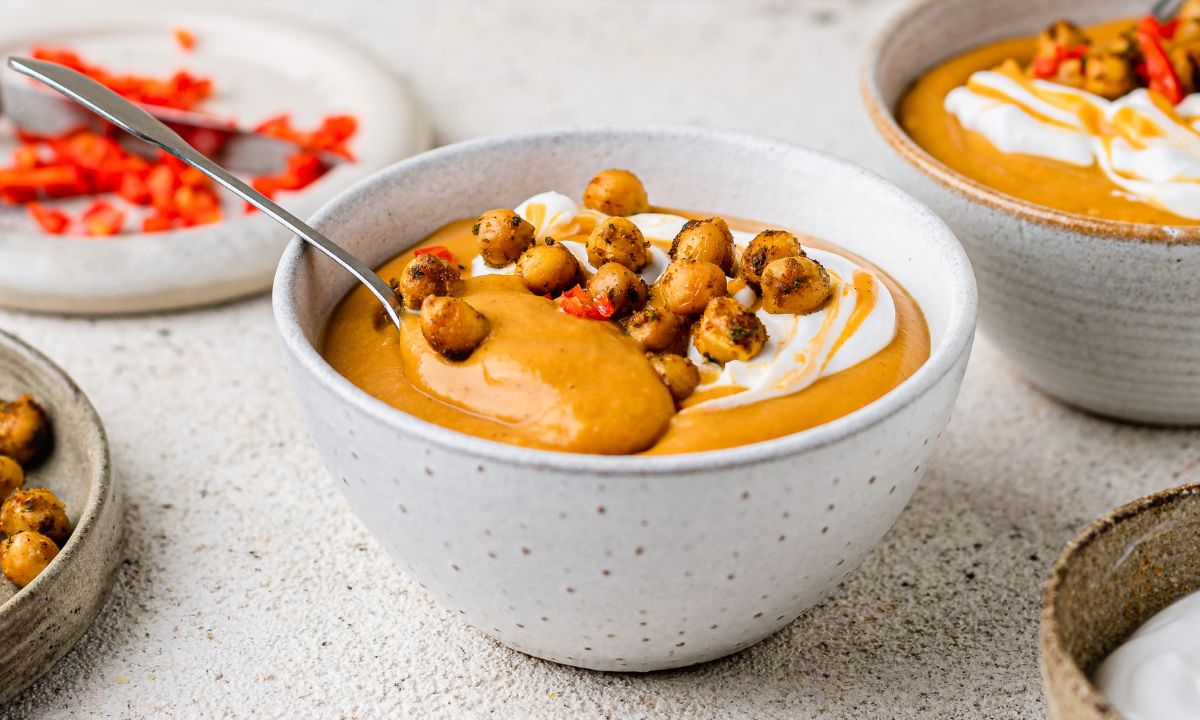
x=1107 y=73
x=766 y=247
x=656 y=328
x=1189 y=11
x=502 y=236
x=709 y=240
x=796 y=285
x=618 y=240
x=548 y=269
x=624 y=288
x=1186 y=63
x=616 y=192
x=676 y=372
x=25 y=555
x=1051 y=42
x=686 y=286
x=452 y=327
x=727 y=331
x=12 y=476
x=24 y=430
x=35 y=509
x=423 y=277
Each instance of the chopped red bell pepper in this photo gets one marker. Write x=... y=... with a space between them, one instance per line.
x=577 y=302
x=181 y=90
x=439 y=250
x=330 y=136
x=1160 y=73
x=102 y=219
x=1046 y=67
x=52 y=221
x=157 y=222
x=185 y=38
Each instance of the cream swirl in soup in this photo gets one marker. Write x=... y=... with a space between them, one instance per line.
x=857 y=322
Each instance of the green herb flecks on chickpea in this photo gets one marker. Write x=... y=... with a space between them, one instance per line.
x=727 y=331
x=452 y=327
x=35 y=509
x=25 y=555
x=709 y=240
x=24 y=431
x=676 y=372
x=502 y=236
x=423 y=277
x=548 y=269
x=766 y=247
x=796 y=285
x=616 y=192
x=624 y=288
x=656 y=328
x=12 y=476
x=686 y=286
x=618 y=240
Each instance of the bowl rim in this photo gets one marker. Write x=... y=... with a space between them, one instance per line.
x=959 y=333
x=100 y=485
x=1053 y=649
x=883 y=119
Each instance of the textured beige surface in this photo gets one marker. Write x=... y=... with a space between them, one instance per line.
x=250 y=589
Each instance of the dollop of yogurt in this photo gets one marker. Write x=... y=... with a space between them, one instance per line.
x=857 y=322
x=1148 y=148
x=1155 y=674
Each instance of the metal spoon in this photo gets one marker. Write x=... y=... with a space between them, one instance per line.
x=1164 y=10
x=132 y=119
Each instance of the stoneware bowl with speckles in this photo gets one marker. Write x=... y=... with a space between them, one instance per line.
x=1112 y=578
x=1098 y=314
x=630 y=563
x=40 y=623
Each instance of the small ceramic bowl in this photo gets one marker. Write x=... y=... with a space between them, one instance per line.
x=44 y=620
x=1112 y=578
x=630 y=563
x=1096 y=313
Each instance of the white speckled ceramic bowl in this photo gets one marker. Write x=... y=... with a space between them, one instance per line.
x=630 y=563
x=1099 y=314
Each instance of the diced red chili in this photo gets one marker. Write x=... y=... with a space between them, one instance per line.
x=1160 y=73
x=102 y=219
x=52 y=221
x=157 y=222
x=577 y=302
x=185 y=38
x=439 y=250
x=1047 y=66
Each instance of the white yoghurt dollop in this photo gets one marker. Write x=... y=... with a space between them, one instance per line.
x=800 y=349
x=1155 y=674
x=1147 y=148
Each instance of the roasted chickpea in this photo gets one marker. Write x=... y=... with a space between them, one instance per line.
x=25 y=555
x=677 y=372
x=1186 y=62
x=727 y=331
x=502 y=236
x=548 y=268
x=423 y=277
x=35 y=509
x=767 y=246
x=709 y=240
x=1107 y=74
x=1060 y=33
x=624 y=288
x=796 y=285
x=618 y=240
x=686 y=286
x=1189 y=11
x=656 y=328
x=452 y=327
x=616 y=192
x=24 y=431
x=12 y=477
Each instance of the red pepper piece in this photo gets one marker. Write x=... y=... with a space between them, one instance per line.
x=102 y=219
x=26 y=157
x=162 y=182
x=51 y=180
x=185 y=38
x=52 y=221
x=577 y=302
x=439 y=250
x=1159 y=71
x=157 y=222
x=1047 y=67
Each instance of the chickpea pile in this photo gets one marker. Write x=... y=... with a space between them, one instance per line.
x=689 y=300
x=33 y=522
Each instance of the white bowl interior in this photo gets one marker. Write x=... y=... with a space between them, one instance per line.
x=688 y=168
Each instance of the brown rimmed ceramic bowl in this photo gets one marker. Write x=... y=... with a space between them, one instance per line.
x=40 y=623
x=1110 y=579
x=1097 y=313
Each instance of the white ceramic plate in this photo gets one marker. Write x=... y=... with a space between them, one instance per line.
x=261 y=67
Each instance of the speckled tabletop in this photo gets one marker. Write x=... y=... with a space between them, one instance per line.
x=249 y=589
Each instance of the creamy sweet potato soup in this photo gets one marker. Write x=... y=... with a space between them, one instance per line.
x=1101 y=121
x=614 y=327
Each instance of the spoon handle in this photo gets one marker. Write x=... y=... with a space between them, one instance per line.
x=132 y=119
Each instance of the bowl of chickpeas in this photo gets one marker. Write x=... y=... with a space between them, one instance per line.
x=623 y=427
x=60 y=516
